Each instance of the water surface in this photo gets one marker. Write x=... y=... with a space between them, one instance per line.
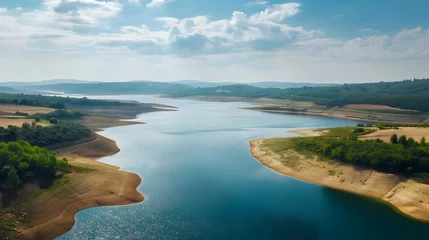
x=200 y=182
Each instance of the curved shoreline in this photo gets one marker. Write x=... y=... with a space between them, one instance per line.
x=104 y=185
x=405 y=195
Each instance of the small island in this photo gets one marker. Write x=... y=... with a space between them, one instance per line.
x=382 y=162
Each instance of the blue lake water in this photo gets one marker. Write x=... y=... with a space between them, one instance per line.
x=201 y=182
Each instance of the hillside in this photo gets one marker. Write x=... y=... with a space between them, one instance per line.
x=283 y=85
x=407 y=94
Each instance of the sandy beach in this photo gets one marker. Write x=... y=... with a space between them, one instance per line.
x=98 y=184
x=407 y=195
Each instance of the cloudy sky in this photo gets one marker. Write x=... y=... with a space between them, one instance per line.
x=214 y=40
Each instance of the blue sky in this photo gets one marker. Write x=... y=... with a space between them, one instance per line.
x=223 y=40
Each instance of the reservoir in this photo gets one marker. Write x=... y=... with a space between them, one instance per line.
x=201 y=182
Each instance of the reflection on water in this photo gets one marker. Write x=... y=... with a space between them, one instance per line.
x=200 y=182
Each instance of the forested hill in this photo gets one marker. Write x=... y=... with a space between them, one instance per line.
x=407 y=94
x=118 y=88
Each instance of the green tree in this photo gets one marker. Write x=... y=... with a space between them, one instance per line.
x=13 y=179
x=26 y=125
x=53 y=121
x=394 y=139
x=403 y=140
x=423 y=141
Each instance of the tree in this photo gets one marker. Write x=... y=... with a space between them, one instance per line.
x=423 y=141
x=403 y=140
x=26 y=125
x=37 y=119
x=394 y=139
x=13 y=179
x=53 y=121
x=411 y=142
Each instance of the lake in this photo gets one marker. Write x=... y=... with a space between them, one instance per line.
x=201 y=182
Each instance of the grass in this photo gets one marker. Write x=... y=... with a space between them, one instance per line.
x=62 y=181
x=332 y=172
x=8 y=224
x=77 y=169
x=281 y=145
x=345 y=132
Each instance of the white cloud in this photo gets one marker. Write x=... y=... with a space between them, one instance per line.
x=71 y=13
x=258 y=2
x=276 y=13
x=134 y=1
x=18 y=9
x=158 y=3
x=247 y=47
x=3 y=10
x=407 y=43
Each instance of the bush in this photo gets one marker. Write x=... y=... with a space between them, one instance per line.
x=53 y=121
x=359 y=130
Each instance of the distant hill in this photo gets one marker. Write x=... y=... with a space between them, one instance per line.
x=201 y=84
x=7 y=90
x=135 y=87
x=407 y=94
x=44 y=82
x=283 y=85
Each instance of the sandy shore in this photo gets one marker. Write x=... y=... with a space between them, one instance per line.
x=98 y=184
x=408 y=196
x=309 y=132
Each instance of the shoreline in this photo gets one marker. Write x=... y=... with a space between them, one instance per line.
x=103 y=185
x=334 y=116
x=405 y=195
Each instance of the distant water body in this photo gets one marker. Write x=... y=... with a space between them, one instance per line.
x=200 y=182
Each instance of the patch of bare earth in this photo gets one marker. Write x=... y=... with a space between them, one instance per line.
x=4 y=122
x=357 y=112
x=414 y=132
x=10 y=108
x=409 y=196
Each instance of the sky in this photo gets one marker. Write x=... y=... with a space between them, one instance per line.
x=329 y=41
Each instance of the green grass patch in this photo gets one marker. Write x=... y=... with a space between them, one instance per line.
x=77 y=169
x=345 y=132
x=60 y=182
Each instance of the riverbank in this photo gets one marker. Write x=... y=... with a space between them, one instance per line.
x=368 y=113
x=357 y=112
x=407 y=195
x=45 y=208
x=91 y=184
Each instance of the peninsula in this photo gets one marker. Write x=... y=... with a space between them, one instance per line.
x=298 y=157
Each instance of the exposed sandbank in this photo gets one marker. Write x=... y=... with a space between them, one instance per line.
x=407 y=195
x=98 y=184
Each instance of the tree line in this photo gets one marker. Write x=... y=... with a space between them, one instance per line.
x=62 y=133
x=56 y=102
x=21 y=162
x=404 y=155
